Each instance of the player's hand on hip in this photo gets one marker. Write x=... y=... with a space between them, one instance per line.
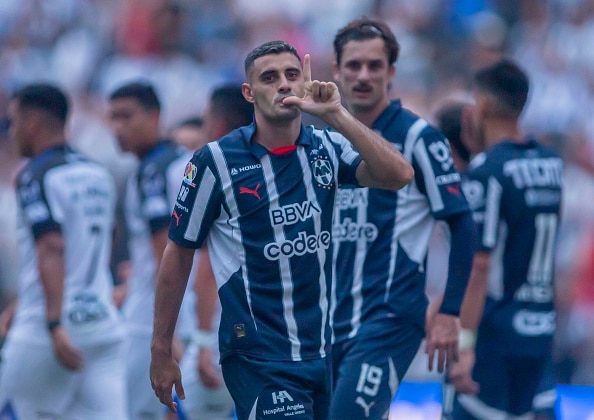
x=460 y=373
x=443 y=339
x=165 y=375
x=320 y=98
x=209 y=375
x=69 y=356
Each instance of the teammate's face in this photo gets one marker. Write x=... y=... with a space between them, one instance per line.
x=133 y=125
x=364 y=75
x=272 y=78
x=20 y=130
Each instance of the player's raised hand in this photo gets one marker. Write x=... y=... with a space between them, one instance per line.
x=320 y=98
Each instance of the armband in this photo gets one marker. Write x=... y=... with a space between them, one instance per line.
x=204 y=338
x=52 y=325
x=466 y=339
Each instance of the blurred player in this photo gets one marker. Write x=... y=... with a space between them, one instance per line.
x=382 y=238
x=206 y=394
x=134 y=110
x=514 y=189
x=64 y=356
x=263 y=198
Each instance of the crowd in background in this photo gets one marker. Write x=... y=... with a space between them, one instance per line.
x=186 y=47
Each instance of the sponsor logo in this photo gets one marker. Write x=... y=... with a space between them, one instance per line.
x=474 y=193
x=254 y=192
x=182 y=208
x=454 y=189
x=322 y=171
x=293 y=213
x=177 y=217
x=153 y=183
x=441 y=153
x=36 y=212
x=190 y=173
x=349 y=231
x=533 y=324
x=447 y=179
x=349 y=198
x=235 y=171
x=239 y=330
x=301 y=245
x=280 y=397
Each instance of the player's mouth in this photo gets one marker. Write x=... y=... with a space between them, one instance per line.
x=362 y=91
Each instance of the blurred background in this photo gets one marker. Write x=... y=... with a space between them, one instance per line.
x=186 y=47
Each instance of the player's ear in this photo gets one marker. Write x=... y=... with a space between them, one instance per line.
x=335 y=71
x=246 y=90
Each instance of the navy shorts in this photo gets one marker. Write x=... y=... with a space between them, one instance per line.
x=368 y=368
x=270 y=390
x=508 y=383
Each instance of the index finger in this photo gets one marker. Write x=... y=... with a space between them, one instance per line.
x=307 y=68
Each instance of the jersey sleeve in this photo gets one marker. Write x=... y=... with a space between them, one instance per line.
x=435 y=175
x=152 y=187
x=198 y=202
x=483 y=191
x=348 y=158
x=39 y=213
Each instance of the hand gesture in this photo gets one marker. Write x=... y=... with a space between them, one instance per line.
x=443 y=338
x=69 y=356
x=320 y=98
x=165 y=374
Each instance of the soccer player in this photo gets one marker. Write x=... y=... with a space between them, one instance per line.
x=64 y=356
x=262 y=197
x=382 y=237
x=514 y=189
x=206 y=394
x=134 y=111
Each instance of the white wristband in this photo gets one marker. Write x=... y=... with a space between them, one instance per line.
x=204 y=338
x=466 y=339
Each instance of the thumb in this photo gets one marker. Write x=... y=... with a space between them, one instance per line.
x=292 y=100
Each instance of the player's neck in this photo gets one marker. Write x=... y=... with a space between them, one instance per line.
x=273 y=135
x=502 y=130
x=49 y=141
x=368 y=115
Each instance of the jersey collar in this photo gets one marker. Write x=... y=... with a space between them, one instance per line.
x=387 y=115
x=260 y=151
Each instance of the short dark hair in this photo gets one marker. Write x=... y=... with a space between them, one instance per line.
x=143 y=92
x=449 y=121
x=507 y=83
x=366 y=28
x=228 y=102
x=271 y=47
x=44 y=97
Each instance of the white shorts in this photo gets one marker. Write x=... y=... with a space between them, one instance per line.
x=39 y=387
x=143 y=403
x=202 y=402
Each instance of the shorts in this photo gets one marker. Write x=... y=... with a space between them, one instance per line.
x=202 y=402
x=368 y=368
x=271 y=390
x=37 y=386
x=508 y=384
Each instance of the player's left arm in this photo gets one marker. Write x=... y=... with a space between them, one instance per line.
x=382 y=165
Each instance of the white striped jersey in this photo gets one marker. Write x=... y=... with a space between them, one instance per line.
x=514 y=190
x=382 y=237
x=61 y=191
x=150 y=194
x=267 y=219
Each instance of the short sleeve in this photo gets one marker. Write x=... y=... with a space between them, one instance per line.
x=198 y=202
x=154 y=204
x=348 y=158
x=36 y=209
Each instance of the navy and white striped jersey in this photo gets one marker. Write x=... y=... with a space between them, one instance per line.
x=382 y=237
x=61 y=191
x=150 y=194
x=267 y=219
x=514 y=190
